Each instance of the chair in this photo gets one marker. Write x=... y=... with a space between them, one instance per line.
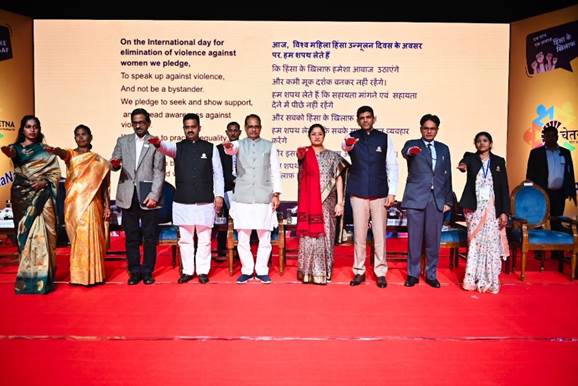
x=453 y=236
x=168 y=234
x=277 y=239
x=531 y=227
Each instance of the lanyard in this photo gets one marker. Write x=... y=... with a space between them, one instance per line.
x=486 y=169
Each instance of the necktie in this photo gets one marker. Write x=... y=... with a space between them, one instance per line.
x=431 y=160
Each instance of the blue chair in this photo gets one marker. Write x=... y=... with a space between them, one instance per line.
x=453 y=236
x=277 y=239
x=531 y=227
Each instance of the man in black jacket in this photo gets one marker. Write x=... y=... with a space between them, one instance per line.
x=550 y=166
x=229 y=173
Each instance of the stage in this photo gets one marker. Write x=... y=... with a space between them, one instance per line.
x=288 y=333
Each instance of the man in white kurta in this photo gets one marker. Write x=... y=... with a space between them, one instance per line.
x=256 y=198
x=198 y=195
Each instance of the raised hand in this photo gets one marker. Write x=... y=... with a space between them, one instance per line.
x=350 y=141
x=9 y=151
x=413 y=151
x=115 y=163
x=301 y=152
x=155 y=141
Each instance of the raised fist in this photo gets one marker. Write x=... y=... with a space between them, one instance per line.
x=414 y=150
x=155 y=141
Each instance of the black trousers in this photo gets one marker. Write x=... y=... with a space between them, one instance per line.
x=557 y=203
x=140 y=225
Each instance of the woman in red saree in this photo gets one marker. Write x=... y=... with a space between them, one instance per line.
x=321 y=199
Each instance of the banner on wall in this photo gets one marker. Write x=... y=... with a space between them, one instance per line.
x=552 y=48
x=16 y=98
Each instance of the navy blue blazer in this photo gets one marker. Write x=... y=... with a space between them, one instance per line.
x=499 y=177
x=421 y=177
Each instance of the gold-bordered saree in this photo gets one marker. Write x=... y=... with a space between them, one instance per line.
x=35 y=217
x=87 y=196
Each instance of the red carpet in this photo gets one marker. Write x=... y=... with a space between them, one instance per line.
x=288 y=333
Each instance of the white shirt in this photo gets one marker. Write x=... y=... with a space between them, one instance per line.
x=257 y=216
x=197 y=214
x=139 y=142
x=433 y=153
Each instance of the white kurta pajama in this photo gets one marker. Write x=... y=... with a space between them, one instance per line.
x=198 y=218
x=260 y=217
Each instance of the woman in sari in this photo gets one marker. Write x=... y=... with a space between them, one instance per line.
x=321 y=199
x=486 y=206
x=86 y=208
x=33 y=196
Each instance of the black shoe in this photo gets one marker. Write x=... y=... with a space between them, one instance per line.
x=411 y=281
x=381 y=282
x=148 y=279
x=357 y=280
x=184 y=278
x=433 y=282
x=203 y=278
x=134 y=279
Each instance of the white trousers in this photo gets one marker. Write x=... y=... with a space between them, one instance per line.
x=187 y=247
x=261 y=267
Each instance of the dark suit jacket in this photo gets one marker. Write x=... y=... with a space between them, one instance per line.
x=537 y=170
x=499 y=176
x=227 y=163
x=420 y=176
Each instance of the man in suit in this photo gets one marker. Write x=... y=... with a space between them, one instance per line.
x=550 y=166
x=198 y=195
x=428 y=194
x=372 y=185
x=139 y=162
x=229 y=163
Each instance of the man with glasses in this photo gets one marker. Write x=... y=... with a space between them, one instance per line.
x=428 y=194
x=138 y=193
x=256 y=198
